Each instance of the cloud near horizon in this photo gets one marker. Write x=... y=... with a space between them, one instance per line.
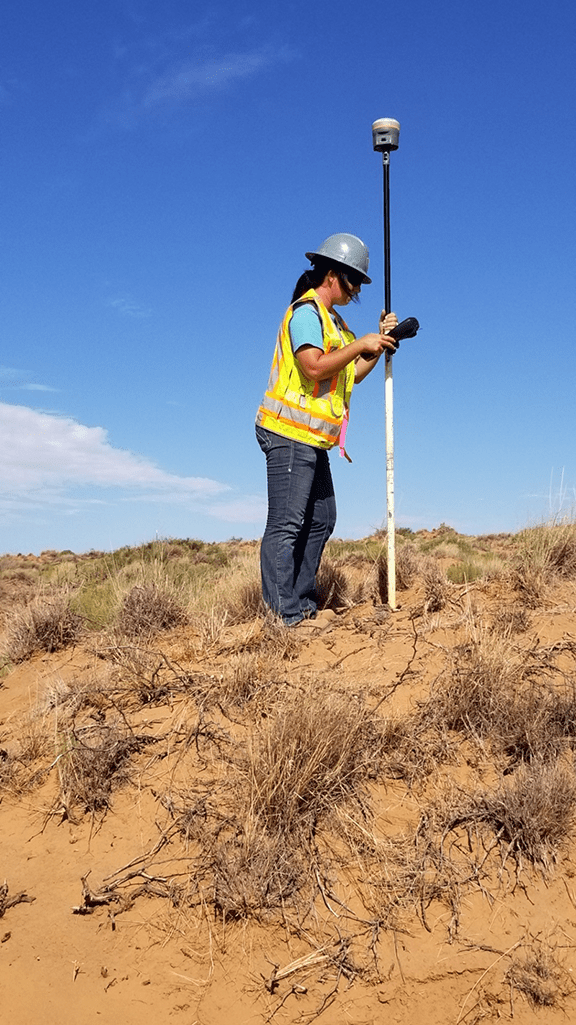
x=45 y=458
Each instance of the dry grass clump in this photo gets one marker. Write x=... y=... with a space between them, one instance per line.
x=436 y=586
x=27 y=745
x=414 y=747
x=404 y=874
x=245 y=603
x=48 y=623
x=233 y=589
x=313 y=751
x=511 y=619
x=532 y=812
x=527 y=818
x=253 y=875
x=148 y=609
x=469 y=569
x=255 y=828
x=67 y=697
x=530 y=815
x=245 y=676
x=477 y=695
x=546 y=553
x=211 y=626
x=540 y=976
x=332 y=586
x=94 y=760
x=504 y=698
x=144 y=676
x=408 y=565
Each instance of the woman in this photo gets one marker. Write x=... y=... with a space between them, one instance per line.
x=316 y=363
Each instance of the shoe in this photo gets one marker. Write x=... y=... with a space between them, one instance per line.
x=307 y=625
x=325 y=616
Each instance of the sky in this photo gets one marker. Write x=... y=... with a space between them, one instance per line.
x=165 y=167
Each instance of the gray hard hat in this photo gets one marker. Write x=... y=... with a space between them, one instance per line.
x=347 y=250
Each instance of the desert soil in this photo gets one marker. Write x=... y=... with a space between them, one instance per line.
x=150 y=960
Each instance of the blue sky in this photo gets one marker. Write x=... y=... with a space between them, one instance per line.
x=165 y=166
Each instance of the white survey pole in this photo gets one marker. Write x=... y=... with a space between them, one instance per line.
x=390 y=516
x=385 y=134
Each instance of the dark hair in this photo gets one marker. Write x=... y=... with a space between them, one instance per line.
x=315 y=275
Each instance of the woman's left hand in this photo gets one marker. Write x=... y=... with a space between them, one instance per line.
x=387 y=322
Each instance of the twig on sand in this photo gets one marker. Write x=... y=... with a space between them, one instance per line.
x=484 y=974
x=405 y=671
x=398 y=956
x=301 y=964
x=9 y=902
x=142 y=857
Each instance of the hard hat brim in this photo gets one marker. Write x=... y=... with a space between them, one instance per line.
x=365 y=279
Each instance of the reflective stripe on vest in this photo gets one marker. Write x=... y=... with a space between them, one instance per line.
x=307 y=411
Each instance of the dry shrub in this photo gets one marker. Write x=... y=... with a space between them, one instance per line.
x=414 y=747
x=477 y=694
x=256 y=838
x=246 y=603
x=407 y=566
x=314 y=750
x=436 y=587
x=547 y=552
x=540 y=976
x=94 y=760
x=500 y=696
x=332 y=588
x=148 y=609
x=532 y=812
x=511 y=619
x=255 y=874
x=243 y=679
x=48 y=623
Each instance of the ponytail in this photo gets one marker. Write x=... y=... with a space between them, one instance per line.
x=311 y=278
x=315 y=275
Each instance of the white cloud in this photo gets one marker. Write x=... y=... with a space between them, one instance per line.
x=9 y=374
x=40 y=450
x=191 y=78
x=170 y=74
x=12 y=379
x=247 y=509
x=130 y=307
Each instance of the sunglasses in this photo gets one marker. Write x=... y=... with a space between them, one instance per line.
x=353 y=277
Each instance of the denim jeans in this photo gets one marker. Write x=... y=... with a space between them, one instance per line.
x=301 y=518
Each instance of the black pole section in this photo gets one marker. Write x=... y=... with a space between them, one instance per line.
x=386 y=184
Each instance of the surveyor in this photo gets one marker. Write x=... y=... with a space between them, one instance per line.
x=304 y=413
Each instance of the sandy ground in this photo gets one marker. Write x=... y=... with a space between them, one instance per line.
x=152 y=962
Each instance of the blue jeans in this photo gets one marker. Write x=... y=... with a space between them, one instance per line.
x=301 y=518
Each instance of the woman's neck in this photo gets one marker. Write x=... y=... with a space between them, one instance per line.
x=324 y=293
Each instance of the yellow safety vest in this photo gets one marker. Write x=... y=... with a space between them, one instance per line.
x=307 y=411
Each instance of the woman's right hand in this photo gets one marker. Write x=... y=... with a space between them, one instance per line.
x=374 y=345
